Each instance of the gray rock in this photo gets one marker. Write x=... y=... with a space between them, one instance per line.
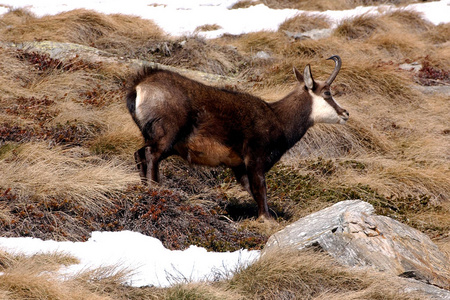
x=432 y=292
x=262 y=55
x=351 y=233
x=71 y=51
x=315 y=34
x=434 y=89
x=415 y=66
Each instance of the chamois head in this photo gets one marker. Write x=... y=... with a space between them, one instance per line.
x=324 y=108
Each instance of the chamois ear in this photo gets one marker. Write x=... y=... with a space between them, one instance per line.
x=309 y=81
x=298 y=75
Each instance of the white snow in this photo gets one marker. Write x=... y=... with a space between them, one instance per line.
x=152 y=263
x=178 y=17
x=149 y=261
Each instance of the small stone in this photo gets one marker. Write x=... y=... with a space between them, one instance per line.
x=262 y=55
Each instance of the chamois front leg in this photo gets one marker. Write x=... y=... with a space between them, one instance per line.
x=147 y=163
x=141 y=163
x=240 y=173
x=152 y=158
x=258 y=188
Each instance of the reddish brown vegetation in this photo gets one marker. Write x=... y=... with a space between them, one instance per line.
x=163 y=214
x=68 y=134
x=431 y=75
x=32 y=108
x=43 y=62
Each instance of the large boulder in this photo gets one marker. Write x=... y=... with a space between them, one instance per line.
x=355 y=236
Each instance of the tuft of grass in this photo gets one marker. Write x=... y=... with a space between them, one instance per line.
x=319 y=5
x=261 y=41
x=37 y=171
x=439 y=34
x=408 y=20
x=371 y=79
x=245 y=4
x=397 y=44
x=198 y=291
x=304 y=22
x=35 y=277
x=46 y=262
x=358 y=27
x=309 y=275
x=207 y=27
x=322 y=5
x=120 y=136
x=298 y=275
x=116 y=33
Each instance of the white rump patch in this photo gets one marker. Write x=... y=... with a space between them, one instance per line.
x=322 y=112
x=146 y=98
x=139 y=100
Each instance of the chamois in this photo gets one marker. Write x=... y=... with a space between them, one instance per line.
x=211 y=126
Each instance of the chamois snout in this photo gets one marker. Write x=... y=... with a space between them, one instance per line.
x=344 y=117
x=327 y=111
x=325 y=108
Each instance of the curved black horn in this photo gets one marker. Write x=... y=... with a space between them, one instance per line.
x=333 y=75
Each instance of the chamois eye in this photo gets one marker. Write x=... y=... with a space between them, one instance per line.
x=327 y=93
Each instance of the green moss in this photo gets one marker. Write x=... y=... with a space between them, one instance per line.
x=6 y=149
x=102 y=148
x=354 y=164
x=286 y=183
x=292 y=194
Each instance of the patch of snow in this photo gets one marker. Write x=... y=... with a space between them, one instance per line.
x=151 y=263
x=178 y=17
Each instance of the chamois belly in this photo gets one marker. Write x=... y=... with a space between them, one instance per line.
x=206 y=151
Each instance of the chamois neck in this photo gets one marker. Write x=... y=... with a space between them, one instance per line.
x=293 y=112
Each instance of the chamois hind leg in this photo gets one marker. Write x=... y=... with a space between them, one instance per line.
x=240 y=173
x=258 y=188
x=141 y=163
x=160 y=137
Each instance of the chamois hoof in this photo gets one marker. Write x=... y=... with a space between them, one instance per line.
x=265 y=219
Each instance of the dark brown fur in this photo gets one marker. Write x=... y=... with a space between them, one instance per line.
x=211 y=126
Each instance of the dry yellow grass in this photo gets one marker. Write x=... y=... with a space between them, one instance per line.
x=80 y=26
x=309 y=275
x=305 y=275
x=257 y=41
x=36 y=277
x=322 y=5
x=359 y=27
x=207 y=27
x=34 y=170
x=120 y=136
x=304 y=22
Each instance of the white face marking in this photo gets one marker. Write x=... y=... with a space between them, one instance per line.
x=322 y=112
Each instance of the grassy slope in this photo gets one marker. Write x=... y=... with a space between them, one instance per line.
x=67 y=141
